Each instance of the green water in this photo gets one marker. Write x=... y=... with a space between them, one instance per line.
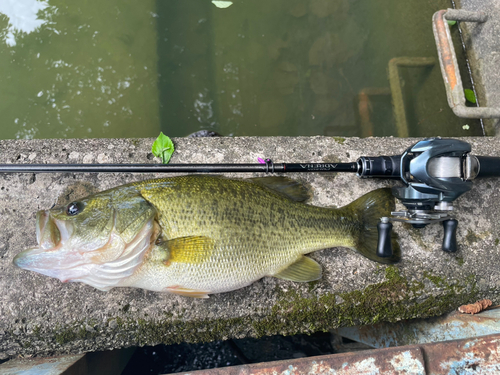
x=90 y=71
x=259 y=67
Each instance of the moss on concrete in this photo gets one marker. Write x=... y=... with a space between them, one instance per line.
x=83 y=330
x=36 y=331
x=436 y=280
x=135 y=141
x=64 y=337
x=339 y=140
x=471 y=237
x=391 y=300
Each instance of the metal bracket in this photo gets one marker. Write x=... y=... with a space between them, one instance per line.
x=397 y=87
x=395 y=91
x=449 y=65
x=420 y=217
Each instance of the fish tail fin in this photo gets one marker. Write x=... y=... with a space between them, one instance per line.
x=369 y=209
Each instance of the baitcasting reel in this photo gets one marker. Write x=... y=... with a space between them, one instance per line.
x=434 y=172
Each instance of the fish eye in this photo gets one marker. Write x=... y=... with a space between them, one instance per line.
x=74 y=208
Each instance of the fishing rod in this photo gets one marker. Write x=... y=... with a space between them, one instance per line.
x=434 y=172
x=267 y=167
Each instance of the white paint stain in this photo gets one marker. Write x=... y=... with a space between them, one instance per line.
x=407 y=364
x=367 y=366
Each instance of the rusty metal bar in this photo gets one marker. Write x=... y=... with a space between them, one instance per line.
x=480 y=355
x=365 y=107
x=464 y=15
x=449 y=65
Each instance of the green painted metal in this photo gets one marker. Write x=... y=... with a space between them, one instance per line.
x=63 y=365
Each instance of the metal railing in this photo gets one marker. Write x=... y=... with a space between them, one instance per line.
x=449 y=65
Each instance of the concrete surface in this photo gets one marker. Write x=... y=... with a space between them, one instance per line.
x=42 y=316
x=483 y=50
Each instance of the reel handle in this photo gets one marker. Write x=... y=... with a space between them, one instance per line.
x=384 y=245
x=450 y=236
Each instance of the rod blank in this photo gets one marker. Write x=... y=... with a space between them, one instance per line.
x=178 y=168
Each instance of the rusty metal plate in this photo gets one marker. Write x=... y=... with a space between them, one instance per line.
x=476 y=356
x=470 y=356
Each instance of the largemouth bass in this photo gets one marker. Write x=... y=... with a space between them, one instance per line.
x=196 y=235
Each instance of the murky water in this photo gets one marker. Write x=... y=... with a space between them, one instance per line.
x=90 y=70
x=258 y=67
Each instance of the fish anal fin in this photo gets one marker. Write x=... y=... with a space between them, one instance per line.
x=191 y=249
x=303 y=270
x=285 y=186
x=187 y=292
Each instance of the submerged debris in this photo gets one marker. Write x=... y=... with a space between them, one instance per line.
x=474 y=308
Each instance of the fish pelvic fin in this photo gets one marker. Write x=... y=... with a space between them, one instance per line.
x=369 y=209
x=303 y=270
x=187 y=292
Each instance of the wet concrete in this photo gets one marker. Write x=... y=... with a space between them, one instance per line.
x=42 y=316
x=483 y=49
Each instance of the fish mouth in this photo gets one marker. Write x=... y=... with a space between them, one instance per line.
x=51 y=235
x=60 y=256
x=50 y=232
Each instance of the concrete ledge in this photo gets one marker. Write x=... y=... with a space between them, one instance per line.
x=42 y=316
x=483 y=51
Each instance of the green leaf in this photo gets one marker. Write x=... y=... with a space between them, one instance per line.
x=163 y=148
x=451 y=23
x=470 y=96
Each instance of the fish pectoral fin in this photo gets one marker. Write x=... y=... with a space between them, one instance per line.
x=187 y=292
x=191 y=249
x=303 y=270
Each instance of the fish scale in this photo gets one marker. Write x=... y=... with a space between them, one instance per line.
x=217 y=234
x=271 y=234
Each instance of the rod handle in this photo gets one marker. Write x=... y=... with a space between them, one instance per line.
x=489 y=166
x=379 y=166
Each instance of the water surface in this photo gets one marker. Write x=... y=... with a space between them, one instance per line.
x=89 y=71
x=258 y=67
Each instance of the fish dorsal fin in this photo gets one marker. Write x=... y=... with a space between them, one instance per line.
x=285 y=186
x=303 y=270
x=191 y=249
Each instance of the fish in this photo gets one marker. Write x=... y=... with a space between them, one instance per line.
x=197 y=235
